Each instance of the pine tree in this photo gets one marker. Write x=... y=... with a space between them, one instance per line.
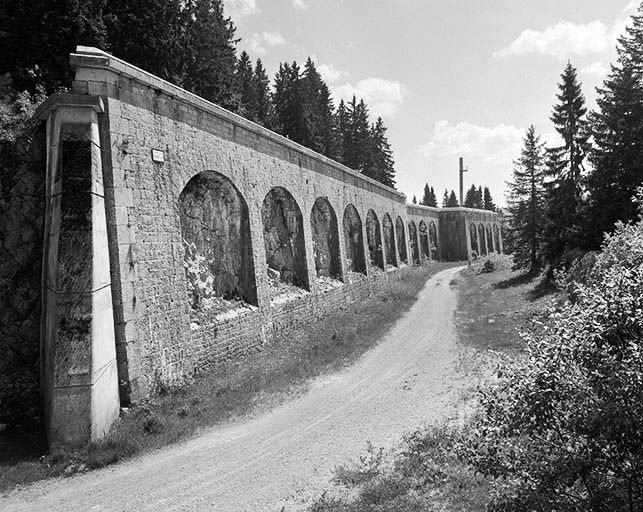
x=288 y=102
x=488 y=200
x=433 y=200
x=617 y=132
x=341 y=122
x=415 y=200
x=565 y=166
x=526 y=202
x=453 y=200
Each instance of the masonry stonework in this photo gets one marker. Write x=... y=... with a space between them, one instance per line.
x=202 y=204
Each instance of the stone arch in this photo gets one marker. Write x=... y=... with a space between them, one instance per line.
x=473 y=234
x=481 y=240
x=489 y=238
x=374 y=239
x=433 y=240
x=413 y=243
x=283 y=236
x=354 y=240
x=496 y=238
x=389 y=240
x=401 y=239
x=323 y=225
x=424 y=240
x=215 y=229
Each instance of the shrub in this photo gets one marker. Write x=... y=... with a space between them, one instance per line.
x=563 y=429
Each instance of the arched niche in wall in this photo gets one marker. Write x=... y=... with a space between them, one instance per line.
x=413 y=243
x=424 y=240
x=354 y=240
x=496 y=238
x=482 y=243
x=473 y=235
x=284 y=238
x=489 y=238
x=374 y=239
x=389 y=241
x=401 y=239
x=216 y=237
x=433 y=241
x=323 y=224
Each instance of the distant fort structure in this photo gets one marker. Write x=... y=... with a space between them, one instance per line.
x=178 y=234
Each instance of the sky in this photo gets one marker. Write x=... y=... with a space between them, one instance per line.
x=450 y=78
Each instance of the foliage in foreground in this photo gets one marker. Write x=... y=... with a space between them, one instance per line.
x=563 y=430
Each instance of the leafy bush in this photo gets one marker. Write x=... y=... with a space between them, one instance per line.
x=563 y=429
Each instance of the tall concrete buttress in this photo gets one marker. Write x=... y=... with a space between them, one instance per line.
x=79 y=382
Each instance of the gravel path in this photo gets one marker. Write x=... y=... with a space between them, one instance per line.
x=285 y=457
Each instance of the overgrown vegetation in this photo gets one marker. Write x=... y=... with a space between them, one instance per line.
x=236 y=388
x=428 y=471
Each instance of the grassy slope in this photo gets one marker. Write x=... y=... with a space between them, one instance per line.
x=237 y=388
x=425 y=473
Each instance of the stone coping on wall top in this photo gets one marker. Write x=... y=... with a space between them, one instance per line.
x=434 y=209
x=90 y=57
x=56 y=101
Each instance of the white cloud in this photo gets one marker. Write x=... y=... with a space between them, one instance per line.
x=300 y=4
x=330 y=73
x=561 y=40
x=567 y=38
x=595 y=69
x=499 y=144
x=257 y=43
x=384 y=97
x=238 y=8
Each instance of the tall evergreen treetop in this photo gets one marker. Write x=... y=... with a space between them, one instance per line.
x=526 y=202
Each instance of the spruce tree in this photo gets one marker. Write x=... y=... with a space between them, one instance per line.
x=617 y=132
x=379 y=162
x=245 y=88
x=488 y=200
x=565 y=166
x=453 y=200
x=526 y=202
x=342 y=122
x=415 y=200
x=262 y=95
x=445 y=199
x=471 y=198
x=429 y=198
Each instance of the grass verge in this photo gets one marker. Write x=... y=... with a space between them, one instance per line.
x=427 y=471
x=237 y=388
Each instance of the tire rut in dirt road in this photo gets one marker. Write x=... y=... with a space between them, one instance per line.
x=286 y=456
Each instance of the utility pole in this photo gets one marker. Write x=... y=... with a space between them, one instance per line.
x=462 y=171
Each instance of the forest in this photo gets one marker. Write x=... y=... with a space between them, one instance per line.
x=193 y=45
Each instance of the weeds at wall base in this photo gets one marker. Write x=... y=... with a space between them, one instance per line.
x=239 y=387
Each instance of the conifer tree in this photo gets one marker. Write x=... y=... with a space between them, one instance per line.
x=379 y=163
x=488 y=200
x=445 y=199
x=565 y=166
x=471 y=199
x=526 y=202
x=211 y=60
x=415 y=200
x=245 y=88
x=453 y=200
x=263 y=97
x=617 y=132
x=429 y=198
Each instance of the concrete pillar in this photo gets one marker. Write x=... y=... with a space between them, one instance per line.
x=502 y=250
x=79 y=380
x=490 y=247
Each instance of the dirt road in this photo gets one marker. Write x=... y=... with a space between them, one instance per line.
x=286 y=456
